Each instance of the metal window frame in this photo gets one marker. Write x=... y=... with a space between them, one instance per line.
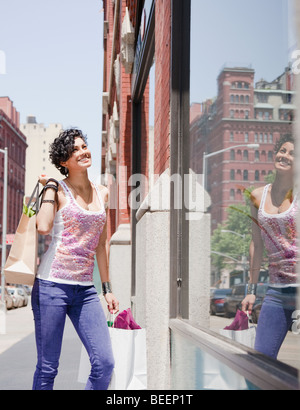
x=145 y=63
x=179 y=155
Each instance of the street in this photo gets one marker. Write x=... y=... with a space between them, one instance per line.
x=18 y=354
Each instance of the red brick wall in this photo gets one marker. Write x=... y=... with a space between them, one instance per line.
x=12 y=138
x=162 y=105
x=162 y=85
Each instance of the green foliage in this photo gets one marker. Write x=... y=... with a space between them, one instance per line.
x=234 y=245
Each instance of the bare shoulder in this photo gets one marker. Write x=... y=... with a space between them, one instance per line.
x=256 y=196
x=104 y=193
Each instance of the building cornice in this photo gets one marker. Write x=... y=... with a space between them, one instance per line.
x=8 y=122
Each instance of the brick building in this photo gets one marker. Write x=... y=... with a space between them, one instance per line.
x=159 y=252
x=15 y=141
x=244 y=112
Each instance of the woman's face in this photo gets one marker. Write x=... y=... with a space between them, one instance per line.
x=284 y=160
x=80 y=157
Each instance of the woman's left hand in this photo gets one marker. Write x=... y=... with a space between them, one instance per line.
x=112 y=303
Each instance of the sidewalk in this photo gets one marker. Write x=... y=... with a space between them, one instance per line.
x=18 y=354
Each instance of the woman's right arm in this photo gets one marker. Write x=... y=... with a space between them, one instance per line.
x=46 y=214
x=256 y=252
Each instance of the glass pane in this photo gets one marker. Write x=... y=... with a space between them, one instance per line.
x=242 y=108
x=195 y=369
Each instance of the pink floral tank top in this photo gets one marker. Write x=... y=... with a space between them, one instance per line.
x=279 y=234
x=75 y=236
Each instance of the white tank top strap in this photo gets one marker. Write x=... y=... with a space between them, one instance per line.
x=66 y=189
x=99 y=195
x=264 y=197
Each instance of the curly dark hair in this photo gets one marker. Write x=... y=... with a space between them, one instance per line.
x=282 y=140
x=62 y=147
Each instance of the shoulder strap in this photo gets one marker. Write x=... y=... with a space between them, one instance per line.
x=264 y=197
x=99 y=195
x=66 y=189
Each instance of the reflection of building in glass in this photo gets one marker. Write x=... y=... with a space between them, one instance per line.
x=241 y=114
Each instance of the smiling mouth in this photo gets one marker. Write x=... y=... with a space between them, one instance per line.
x=284 y=162
x=86 y=158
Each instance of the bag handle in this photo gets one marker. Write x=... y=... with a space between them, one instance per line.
x=111 y=319
x=35 y=194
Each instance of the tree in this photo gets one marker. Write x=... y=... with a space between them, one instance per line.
x=232 y=244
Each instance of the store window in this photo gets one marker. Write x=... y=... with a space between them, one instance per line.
x=253 y=251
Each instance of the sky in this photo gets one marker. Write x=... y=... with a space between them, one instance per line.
x=237 y=32
x=54 y=69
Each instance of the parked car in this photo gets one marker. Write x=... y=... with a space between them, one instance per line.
x=217 y=300
x=22 y=291
x=18 y=299
x=233 y=302
x=8 y=299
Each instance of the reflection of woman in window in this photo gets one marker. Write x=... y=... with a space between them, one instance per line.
x=274 y=210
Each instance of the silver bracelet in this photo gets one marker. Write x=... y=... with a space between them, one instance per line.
x=106 y=287
x=252 y=287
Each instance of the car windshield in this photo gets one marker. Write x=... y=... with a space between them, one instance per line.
x=261 y=290
x=222 y=292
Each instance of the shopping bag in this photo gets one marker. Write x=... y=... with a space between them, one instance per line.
x=21 y=264
x=129 y=350
x=240 y=330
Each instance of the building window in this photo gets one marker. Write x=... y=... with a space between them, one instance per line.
x=232 y=194
x=232 y=155
x=270 y=156
x=247 y=115
x=257 y=156
x=246 y=155
x=231 y=114
x=245 y=175
x=256 y=175
x=232 y=174
x=246 y=137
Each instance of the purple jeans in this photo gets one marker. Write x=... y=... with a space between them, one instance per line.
x=275 y=320
x=51 y=302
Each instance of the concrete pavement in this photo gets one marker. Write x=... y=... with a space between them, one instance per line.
x=18 y=354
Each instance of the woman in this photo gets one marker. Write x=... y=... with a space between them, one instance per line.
x=274 y=209
x=73 y=211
